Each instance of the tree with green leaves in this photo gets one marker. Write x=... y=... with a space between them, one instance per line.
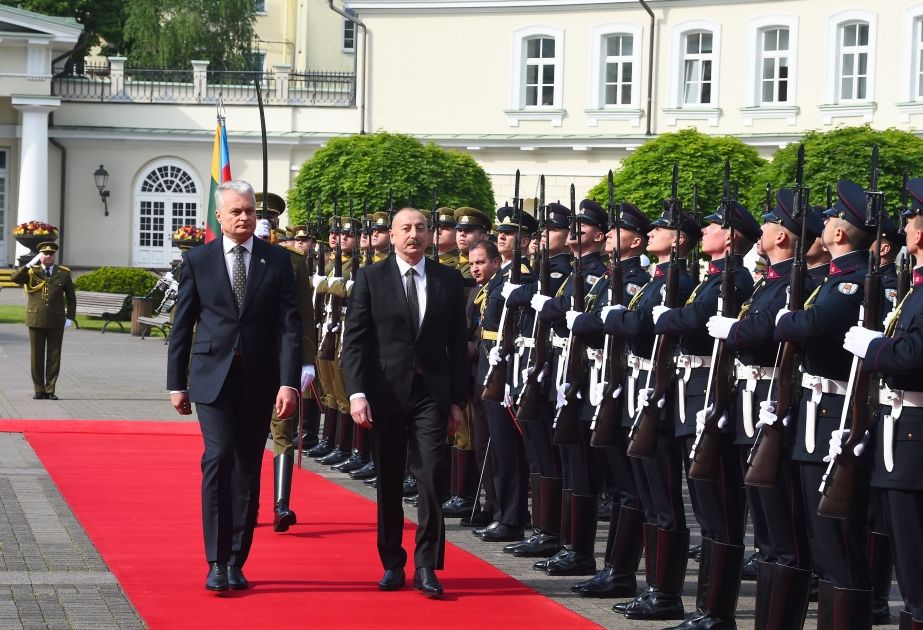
x=845 y=153
x=644 y=177
x=102 y=20
x=369 y=167
x=170 y=33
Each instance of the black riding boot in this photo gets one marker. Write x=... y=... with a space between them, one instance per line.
x=284 y=517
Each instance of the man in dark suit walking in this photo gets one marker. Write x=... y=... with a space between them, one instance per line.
x=237 y=316
x=405 y=363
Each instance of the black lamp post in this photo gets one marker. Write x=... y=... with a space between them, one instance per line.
x=101 y=176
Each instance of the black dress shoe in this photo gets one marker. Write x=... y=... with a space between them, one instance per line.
x=324 y=447
x=392 y=580
x=236 y=579
x=409 y=486
x=695 y=553
x=656 y=605
x=572 y=564
x=366 y=472
x=355 y=462
x=308 y=441
x=283 y=518
x=608 y=583
x=217 y=579
x=542 y=565
x=334 y=457
x=481 y=518
x=479 y=532
x=503 y=533
x=412 y=500
x=51 y=397
x=424 y=580
x=373 y=482
x=457 y=507
x=538 y=545
x=38 y=396
x=751 y=564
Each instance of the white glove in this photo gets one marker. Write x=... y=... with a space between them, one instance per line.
x=857 y=340
x=719 y=327
x=349 y=285
x=508 y=287
x=596 y=394
x=837 y=437
x=659 y=310
x=561 y=395
x=68 y=322
x=307 y=376
x=494 y=357
x=768 y=415
x=538 y=302
x=507 y=398
x=571 y=317
x=645 y=394
x=316 y=279
x=701 y=414
x=263 y=227
x=887 y=320
x=334 y=279
x=609 y=309
x=617 y=392
x=34 y=261
x=782 y=311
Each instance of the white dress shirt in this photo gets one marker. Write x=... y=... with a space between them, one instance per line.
x=229 y=246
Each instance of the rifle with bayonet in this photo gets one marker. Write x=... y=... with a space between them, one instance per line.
x=695 y=269
x=331 y=326
x=531 y=395
x=354 y=253
x=643 y=433
x=566 y=429
x=320 y=265
x=839 y=485
x=434 y=217
x=904 y=267
x=390 y=216
x=606 y=424
x=705 y=454
x=765 y=455
x=367 y=227
x=495 y=380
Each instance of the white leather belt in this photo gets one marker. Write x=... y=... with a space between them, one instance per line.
x=558 y=342
x=636 y=364
x=818 y=386
x=754 y=372
x=896 y=399
x=751 y=374
x=685 y=364
x=690 y=361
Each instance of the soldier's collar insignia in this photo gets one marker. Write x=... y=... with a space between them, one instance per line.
x=713 y=269
x=772 y=274
x=631 y=289
x=556 y=274
x=917 y=277
x=658 y=273
x=834 y=269
x=847 y=288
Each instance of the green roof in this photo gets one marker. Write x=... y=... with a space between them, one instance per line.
x=69 y=22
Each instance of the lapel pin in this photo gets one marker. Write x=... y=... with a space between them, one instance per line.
x=262 y=261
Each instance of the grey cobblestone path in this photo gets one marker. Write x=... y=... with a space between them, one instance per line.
x=50 y=574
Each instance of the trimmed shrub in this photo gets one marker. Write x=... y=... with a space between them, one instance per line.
x=130 y=280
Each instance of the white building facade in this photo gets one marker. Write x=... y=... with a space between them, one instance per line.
x=563 y=88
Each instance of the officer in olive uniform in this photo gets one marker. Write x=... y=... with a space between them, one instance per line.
x=898 y=456
x=284 y=429
x=51 y=307
x=447 y=247
x=838 y=547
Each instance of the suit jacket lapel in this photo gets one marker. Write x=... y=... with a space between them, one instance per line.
x=221 y=271
x=257 y=270
x=397 y=288
x=432 y=293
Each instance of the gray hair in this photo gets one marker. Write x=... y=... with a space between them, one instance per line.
x=237 y=185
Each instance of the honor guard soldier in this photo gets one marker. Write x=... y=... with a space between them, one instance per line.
x=658 y=478
x=837 y=546
x=898 y=458
x=380 y=237
x=579 y=491
x=718 y=503
x=777 y=512
x=541 y=453
x=447 y=247
x=471 y=225
x=51 y=306
x=624 y=540
x=509 y=471
x=817 y=256
x=284 y=429
x=892 y=241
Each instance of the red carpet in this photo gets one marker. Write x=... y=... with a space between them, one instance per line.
x=134 y=486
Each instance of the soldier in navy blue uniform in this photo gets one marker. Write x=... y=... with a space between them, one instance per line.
x=837 y=546
x=784 y=572
x=719 y=505
x=891 y=243
x=508 y=466
x=898 y=459
x=579 y=493
x=541 y=454
x=658 y=479
x=624 y=541
x=817 y=257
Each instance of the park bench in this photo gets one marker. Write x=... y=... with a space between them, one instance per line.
x=110 y=307
x=161 y=319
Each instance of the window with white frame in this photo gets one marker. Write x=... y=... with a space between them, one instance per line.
x=618 y=69
x=774 y=65
x=853 y=56
x=259 y=6
x=539 y=72
x=349 y=36
x=698 y=60
x=918 y=59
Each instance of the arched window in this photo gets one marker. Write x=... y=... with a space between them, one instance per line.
x=167 y=197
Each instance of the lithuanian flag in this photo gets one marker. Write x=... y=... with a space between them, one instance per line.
x=221 y=172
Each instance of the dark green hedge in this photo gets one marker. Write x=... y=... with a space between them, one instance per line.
x=128 y=280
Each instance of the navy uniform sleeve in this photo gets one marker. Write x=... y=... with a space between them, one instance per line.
x=800 y=326
x=522 y=296
x=901 y=354
x=756 y=328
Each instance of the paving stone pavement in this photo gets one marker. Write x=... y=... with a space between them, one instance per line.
x=50 y=574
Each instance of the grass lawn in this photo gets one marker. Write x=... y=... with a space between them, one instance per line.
x=16 y=314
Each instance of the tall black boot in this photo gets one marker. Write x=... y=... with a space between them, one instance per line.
x=618 y=578
x=650 y=569
x=325 y=445
x=284 y=517
x=824 y=605
x=462 y=501
x=880 y=568
x=546 y=519
x=765 y=574
x=664 y=600
x=788 y=603
x=583 y=522
x=852 y=609
x=719 y=586
x=701 y=588
x=535 y=492
x=606 y=571
x=344 y=441
x=564 y=530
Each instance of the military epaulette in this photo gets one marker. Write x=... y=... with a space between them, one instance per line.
x=63 y=268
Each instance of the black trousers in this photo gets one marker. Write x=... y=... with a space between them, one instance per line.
x=624 y=488
x=541 y=453
x=779 y=513
x=721 y=506
x=660 y=483
x=905 y=515
x=579 y=461
x=481 y=433
x=416 y=438
x=510 y=473
x=234 y=430
x=838 y=547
